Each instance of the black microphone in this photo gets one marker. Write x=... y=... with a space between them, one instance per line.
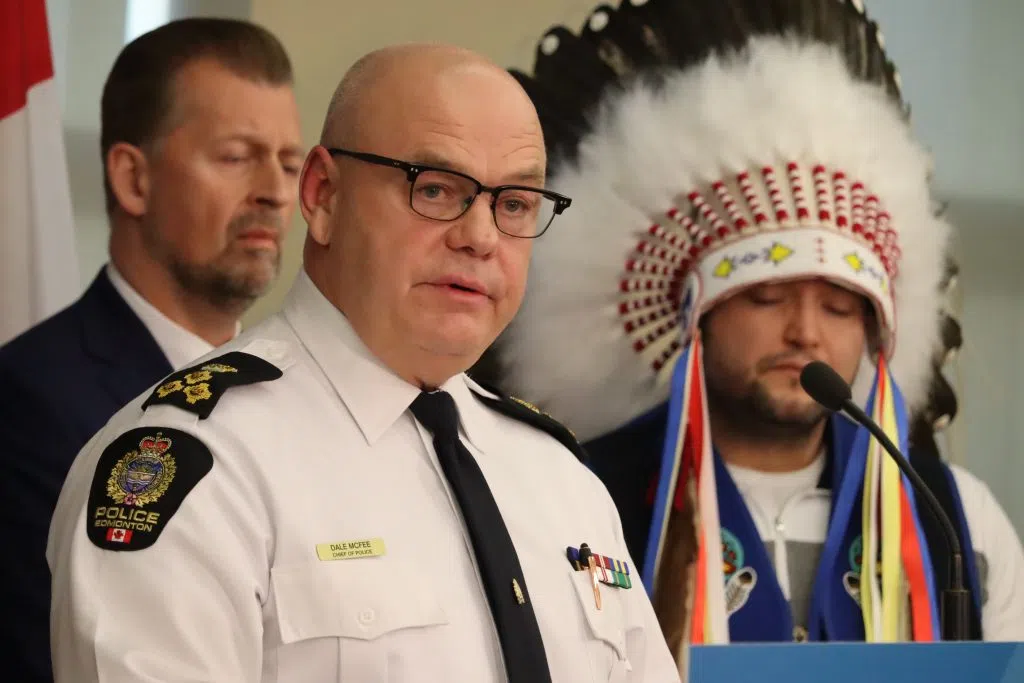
x=826 y=387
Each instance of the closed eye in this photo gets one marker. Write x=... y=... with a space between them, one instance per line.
x=842 y=311
x=761 y=300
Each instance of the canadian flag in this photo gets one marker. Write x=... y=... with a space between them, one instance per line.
x=38 y=262
x=119 y=535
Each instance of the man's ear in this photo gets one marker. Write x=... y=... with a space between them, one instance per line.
x=318 y=192
x=128 y=173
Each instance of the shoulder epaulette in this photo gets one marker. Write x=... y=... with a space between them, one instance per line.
x=197 y=389
x=524 y=411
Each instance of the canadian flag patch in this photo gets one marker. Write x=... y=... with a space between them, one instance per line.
x=119 y=535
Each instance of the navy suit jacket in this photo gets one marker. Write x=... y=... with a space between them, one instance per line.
x=60 y=382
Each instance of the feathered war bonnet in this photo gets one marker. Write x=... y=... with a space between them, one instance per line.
x=710 y=145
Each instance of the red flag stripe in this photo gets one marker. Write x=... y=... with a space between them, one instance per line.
x=25 y=58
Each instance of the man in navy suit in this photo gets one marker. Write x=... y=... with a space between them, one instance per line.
x=202 y=151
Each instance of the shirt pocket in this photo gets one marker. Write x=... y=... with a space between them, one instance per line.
x=351 y=617
x=609 y=628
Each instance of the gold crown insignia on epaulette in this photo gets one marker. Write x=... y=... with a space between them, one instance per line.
x=198 y=388
x=194 y=385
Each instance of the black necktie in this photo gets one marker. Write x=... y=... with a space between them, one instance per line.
x=521 y=644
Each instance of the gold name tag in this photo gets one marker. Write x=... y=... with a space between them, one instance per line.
x=349 y=550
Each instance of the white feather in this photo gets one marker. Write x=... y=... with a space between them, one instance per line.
x=779 y=100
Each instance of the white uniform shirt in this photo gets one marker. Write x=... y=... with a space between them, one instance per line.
x=233 y=589
x=791 y=515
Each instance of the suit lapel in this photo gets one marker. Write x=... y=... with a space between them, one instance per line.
x=118 y=340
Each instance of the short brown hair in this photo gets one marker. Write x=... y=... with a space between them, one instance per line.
x=137 y=96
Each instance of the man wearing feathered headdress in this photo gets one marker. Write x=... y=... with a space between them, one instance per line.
x=749 y=198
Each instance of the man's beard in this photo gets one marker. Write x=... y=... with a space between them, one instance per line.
x=227 y=287
x=237 y=276
x=756 y=414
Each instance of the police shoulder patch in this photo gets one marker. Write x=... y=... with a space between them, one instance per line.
x=197 y=389
x=141 y=479
x=524 y=411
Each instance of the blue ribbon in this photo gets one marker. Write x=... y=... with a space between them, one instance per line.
x=666 y=485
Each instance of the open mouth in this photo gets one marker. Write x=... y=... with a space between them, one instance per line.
x=460 y=288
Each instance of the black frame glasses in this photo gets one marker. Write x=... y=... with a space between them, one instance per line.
x=413 y=171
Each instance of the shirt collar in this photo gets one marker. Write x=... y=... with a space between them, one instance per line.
x=373 y=394
x=479 y=423
x=179 y=345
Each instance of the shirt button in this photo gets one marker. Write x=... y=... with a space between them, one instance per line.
x=367 y=616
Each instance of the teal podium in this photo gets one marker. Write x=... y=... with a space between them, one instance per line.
x=946 y=662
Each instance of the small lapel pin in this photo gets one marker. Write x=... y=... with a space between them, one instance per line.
x=520 y=598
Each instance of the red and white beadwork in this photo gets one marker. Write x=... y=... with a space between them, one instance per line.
x=820 y=224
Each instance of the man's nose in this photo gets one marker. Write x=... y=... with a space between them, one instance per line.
x=803 y=326
x=274 y=187
x=476 y=231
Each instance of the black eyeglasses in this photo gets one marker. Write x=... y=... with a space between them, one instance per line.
x=444 y=195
